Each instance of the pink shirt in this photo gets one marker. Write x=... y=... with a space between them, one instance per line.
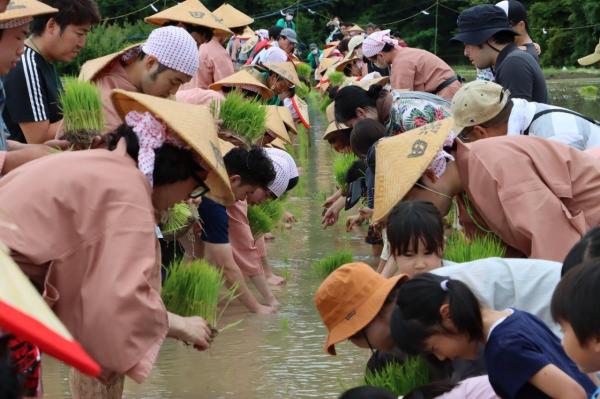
x=243 y=245
x=472 y=388
x=112 y=77
x=2 y=159
x=200 y=97
x=419 y=70
x=539 y=196
x=215 y=64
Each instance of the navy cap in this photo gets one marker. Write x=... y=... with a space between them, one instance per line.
x=477 y=24
x=515 y=10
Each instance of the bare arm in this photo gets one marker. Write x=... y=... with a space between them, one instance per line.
x=39 y=132
x=557 y=384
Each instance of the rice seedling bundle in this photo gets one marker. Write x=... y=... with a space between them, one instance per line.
x=461 y=249
x=243 y=117
x=81 y=106
x=304 y=71
x=259 y=220
x=273 y=209
x=401 y=378
x=193 y=289
x=588 y=92
x=341 y=164
x=179 y=217
x=336 y=78
x=302 y=90
x=325 y=101
x=325 y=266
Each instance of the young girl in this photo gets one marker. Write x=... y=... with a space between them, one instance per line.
x=524 y=359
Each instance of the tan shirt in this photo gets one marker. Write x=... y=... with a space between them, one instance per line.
x=215 y=64
x=537 y=195
x=419 y=70
x=86 y=238
x=112 y=77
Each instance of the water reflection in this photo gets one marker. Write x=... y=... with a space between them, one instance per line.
x=280 y=356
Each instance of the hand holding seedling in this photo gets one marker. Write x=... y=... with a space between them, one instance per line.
x=197 y=332
x=354 y=220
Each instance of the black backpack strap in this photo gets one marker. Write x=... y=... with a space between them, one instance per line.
x=564 y=111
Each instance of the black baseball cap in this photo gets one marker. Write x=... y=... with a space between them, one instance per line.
x=515 y=10
x=477 y=24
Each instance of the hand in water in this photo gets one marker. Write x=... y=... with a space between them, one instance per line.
x=329 y=202
x=330 y=217
x=262 y=309
x=289 y=218
x=197 y=332
x=275 y=280
x=355 y=220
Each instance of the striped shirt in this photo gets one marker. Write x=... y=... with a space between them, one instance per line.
x=32 y=93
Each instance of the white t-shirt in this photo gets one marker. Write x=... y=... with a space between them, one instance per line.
x=501 y=283
x=472 y=388
x=272 y=55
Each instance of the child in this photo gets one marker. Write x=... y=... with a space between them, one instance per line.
x=524 y=359
x=587 y=248
x=415 y=231
x=471 y=388
x=575 y=308
x=367 y=392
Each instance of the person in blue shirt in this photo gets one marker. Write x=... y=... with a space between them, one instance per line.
x=524 y=359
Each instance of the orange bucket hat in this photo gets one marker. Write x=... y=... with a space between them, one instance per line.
x=350 y=298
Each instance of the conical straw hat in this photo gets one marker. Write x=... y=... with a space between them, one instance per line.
x=190 y=12
x=18 y=9
x=288 y=119
x=242 y=79
x=226 y=146
x=25 y=314
x=301 y=108
x=286 y=70
x=356 y=28
x=330 y=112
x=326 y=64
x=332 y=128
x=331 y=44
x=194 y=125
x=327 y=52
x=90 y=69
x=275 y=125
x=247 y=33
x=366 y=84
x=278 y=143
x=340 y=67
x=401 y=161
x=249 y=44
x=231 y=17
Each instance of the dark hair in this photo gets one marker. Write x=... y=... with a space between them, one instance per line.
x=160 y=69
x=431 y=391
x=344 y=135
x=387 y=48
x=70 y=12
x=417 y=314
x=357 y=170
x=238 y=30
x=349 y=98
x=365 y=134
x=292 y=183
x=206 y=32
x=588 y=247
x=575 y=300
x=172 y=164
x=411 y=222
x=254 y=167
x=343 y=46
x=10 y=387
x=503 y=37
x=499 y=120
x=368 y=392
x=274 y=32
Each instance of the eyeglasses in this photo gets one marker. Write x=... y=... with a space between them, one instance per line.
x=201 y=190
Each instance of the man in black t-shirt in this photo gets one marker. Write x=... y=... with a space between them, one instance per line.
x=32 y=112
x=489 y=42
x=517 y=16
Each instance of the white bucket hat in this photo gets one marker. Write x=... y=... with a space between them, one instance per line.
x=174 y=48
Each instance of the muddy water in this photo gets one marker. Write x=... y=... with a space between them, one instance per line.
x=280 y=356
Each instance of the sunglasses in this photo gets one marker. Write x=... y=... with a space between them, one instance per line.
x=201 y=190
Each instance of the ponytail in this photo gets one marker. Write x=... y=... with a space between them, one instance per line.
x=417 y=314
x=349 y=98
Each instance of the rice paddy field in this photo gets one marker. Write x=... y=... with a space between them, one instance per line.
x=281 y=356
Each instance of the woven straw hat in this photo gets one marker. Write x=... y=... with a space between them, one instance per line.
x=330 y=112
x=326 y=64
x=592 y=58
x=18 y=9
x=477 y=102
x=367 y=83
x=301 y=108
x=354 y=43
x=356 y=28
x=334 y=128
x=350 y=298
x=243 y=79
x=402 y=160
x=277 y=143
x=345 y=61
x=327 y=52
x=274 y=124
x=286 y=70
x=288 y=119
x=231 y=17
x=249 y=44
x=194 y=125
x=191 y=12
x=331 y=44
x=90 y=69
x=226 y=146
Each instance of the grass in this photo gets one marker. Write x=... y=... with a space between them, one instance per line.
x=193 y=289
x=336 y=78
x=178 y=218
x=341 y=164
x=400 y=379
x=260 y=221
x=460 y=249
x=81 y=106
x=588 y=92
x=242 y=117
x=325 y=266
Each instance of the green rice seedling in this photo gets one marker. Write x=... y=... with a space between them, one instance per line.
x=178 y=218
x=341 y=164
x=193 y=289
x=242 y=117
x=588 y=92
x=284 y=324
x=273 y=208
x=325 y=266
x=302 y=90
x=304 y=72
x=336 y=79
x=285 y=272
x=325 y=101
x=81 y=106
x=461 y=249
x=401 y=378
x=260 y=222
